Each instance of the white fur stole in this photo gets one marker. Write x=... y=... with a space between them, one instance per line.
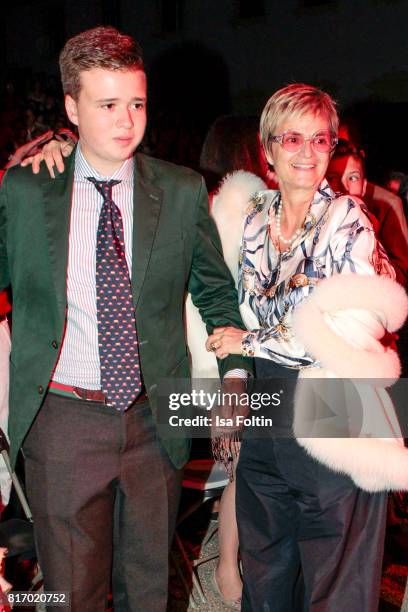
x=228 y=211
x=341 y=324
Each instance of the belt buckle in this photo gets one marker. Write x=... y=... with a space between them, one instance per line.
x=89 y=395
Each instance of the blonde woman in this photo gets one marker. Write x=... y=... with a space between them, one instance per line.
x=302 y=245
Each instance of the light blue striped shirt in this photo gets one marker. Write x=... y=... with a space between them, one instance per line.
x=78 y=363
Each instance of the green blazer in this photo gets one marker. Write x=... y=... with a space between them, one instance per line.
x=175 y=249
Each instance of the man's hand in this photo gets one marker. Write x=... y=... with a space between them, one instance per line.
x=52 y=153
x=225 y=341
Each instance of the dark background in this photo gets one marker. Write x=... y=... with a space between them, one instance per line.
x=209 y=57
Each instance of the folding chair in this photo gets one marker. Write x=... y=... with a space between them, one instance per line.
x=208 y=479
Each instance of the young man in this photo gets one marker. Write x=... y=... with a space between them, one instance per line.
x=99 y=260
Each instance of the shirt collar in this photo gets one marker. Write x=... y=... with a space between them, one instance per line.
x=83 y=169
x=324 y=192
x=265 y=198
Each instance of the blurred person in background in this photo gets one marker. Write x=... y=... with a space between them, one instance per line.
x=234 y=165
x=232 y=143
x=393 y=181
x=346 y=174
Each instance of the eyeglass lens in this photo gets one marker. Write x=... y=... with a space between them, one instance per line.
x=321 y=142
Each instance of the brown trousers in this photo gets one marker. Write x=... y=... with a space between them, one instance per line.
x=104 y=498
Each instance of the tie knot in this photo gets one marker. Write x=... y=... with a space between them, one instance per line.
x=104 y=187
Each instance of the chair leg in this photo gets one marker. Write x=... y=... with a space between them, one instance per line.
x=197 y=586
x=192 y=602
x=190 y=566
x=210 y=533
x=36 y=579
x=202 y=560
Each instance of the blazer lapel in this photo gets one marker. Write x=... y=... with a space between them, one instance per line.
x=146 y=206
x=57 y=207
x=57 y=195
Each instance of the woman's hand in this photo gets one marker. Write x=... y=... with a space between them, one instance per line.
x=52 y=153
x=225 y=341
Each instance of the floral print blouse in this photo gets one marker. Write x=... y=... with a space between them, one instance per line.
x=337 y=238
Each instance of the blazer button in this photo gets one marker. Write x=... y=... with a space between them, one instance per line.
x=40 y=389
x=54 y=344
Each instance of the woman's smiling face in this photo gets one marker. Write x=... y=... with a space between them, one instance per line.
x=305 y=169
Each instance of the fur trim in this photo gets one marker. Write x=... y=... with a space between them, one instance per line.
x=377 y=460
x=229 y=209
x=374 y=464
x=203 y=363
x=373 y=293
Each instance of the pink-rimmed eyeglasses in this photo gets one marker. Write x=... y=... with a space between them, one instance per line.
x=322 y=142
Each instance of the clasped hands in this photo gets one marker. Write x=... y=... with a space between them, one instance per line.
x=225 y=341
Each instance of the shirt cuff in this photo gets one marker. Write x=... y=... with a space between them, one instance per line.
x=236 y=373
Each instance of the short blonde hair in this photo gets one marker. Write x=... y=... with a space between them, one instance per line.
x=296 y=99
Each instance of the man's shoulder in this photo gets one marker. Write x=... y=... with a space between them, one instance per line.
x=24 y=177
x=166 y=170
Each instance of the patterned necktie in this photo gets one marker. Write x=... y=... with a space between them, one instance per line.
x=117 y=337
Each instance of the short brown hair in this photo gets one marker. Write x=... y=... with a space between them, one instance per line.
x=102 y=47
x=296 y=99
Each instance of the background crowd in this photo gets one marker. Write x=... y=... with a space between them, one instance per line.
x=31 y=104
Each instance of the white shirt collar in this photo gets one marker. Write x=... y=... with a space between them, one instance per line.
x=83 y=169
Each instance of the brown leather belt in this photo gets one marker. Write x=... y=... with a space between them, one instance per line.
x=89 y=395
